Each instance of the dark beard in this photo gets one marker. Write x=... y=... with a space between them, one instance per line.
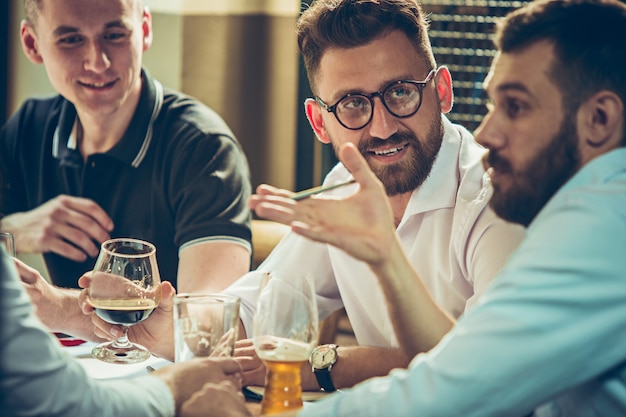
x=407 y=175
x=546 y=173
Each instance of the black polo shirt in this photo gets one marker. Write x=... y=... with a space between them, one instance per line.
x=177 y=177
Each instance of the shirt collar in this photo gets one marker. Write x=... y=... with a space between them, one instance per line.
x=132 y=148
x=440 y=189
x=599 y=170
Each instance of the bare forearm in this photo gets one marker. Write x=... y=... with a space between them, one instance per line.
x=65 y=315
x=356 y=364
x=419 y=322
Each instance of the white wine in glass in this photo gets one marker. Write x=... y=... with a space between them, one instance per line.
x=285 y=332
x=124 y=290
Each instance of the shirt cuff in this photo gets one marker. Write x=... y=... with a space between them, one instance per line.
x=326 y=407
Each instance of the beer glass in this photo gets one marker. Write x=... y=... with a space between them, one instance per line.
x=124 y=290
x=285 y=331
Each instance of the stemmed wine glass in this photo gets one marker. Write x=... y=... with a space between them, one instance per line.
x=285 y=331
x=124 y=290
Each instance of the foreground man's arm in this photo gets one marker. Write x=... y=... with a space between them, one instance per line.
x=40 y=379
x=566 y=296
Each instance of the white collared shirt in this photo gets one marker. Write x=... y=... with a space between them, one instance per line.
x=455 y=242
x=550 y=330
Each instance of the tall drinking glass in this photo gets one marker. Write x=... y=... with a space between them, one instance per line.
x=205 y=325
x=285 y=331
x=6 y=240
x=124 y=290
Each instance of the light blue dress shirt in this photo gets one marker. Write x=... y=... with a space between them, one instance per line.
x=39 y=379
x=551 y=329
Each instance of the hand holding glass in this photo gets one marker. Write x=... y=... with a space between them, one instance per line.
x=285 y=332
x=124 y=290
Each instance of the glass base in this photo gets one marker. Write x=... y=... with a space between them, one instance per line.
x=109 y=352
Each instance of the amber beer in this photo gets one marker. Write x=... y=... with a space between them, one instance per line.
x=283 y=389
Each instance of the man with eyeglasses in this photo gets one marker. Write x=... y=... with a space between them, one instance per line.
x=548 y=335
x=376 y=85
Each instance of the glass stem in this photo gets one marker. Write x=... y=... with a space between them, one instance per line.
x=122 y=341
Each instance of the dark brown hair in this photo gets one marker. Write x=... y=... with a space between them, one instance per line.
x=589 y=38
x=351 y=23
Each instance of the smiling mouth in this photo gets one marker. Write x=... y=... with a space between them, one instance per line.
x=97 y=86
x=388 y=152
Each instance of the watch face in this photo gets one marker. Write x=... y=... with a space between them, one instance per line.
x=323 y=356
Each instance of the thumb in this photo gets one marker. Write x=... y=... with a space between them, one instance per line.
x=352 y=159
x=167 y=296
x=28 y=274
x=85 y=280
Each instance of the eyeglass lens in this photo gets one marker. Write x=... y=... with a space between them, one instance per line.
x=401 y=99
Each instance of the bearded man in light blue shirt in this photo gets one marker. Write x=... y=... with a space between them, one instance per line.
x=548 y=337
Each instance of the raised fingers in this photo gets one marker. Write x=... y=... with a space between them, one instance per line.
x=352 y=159
x=265 y=189
x=278 y=209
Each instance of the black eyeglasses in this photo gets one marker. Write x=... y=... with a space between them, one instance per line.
x=401 y=98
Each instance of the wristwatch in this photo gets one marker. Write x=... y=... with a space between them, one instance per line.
x=322 y=360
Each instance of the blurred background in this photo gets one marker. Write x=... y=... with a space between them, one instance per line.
x=240 y=58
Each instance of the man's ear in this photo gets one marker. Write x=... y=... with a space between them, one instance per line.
x=314 y=114
x=147 y=29
x=443 y=83
x=29 y=43
x=600 y=122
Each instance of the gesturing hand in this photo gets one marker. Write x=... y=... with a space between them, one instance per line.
x=361 y=224
x=72 y=227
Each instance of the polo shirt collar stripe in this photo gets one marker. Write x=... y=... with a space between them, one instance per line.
x=55 y=143
x=63 y=130
x=135 y=142
x=156 y=109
